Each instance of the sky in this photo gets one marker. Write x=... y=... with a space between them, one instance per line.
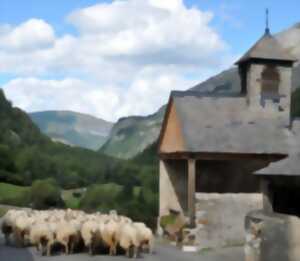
x=113 y=59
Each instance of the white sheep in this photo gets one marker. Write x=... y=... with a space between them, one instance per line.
x=42 y=237
x=91 y=235
x=145 y=236
x=127 y=237
x=21 y=229
x=71 y=227
x=108 y=231
x=67 y=235
x=8 y=223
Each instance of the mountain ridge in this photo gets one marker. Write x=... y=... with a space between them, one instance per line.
x=73 y=128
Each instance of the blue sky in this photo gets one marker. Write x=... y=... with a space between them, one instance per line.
x=239 y=21
x=67 y=48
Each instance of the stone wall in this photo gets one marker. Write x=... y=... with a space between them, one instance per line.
x=220 y=218
x=272 y=237
x=281 y=109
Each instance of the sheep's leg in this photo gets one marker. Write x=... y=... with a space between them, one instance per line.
x=112 y=250
x=48 y=249
x=90 y=249
x=135 y=252
x=128 y=252
x=115 y=250
x=66 y=248
x=43 y=252
x=72 y=246
x=39 y=247
x=150 y=247
x=17 y=236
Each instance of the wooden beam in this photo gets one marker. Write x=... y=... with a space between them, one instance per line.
x=267 y=196
x=191 y=190
x=220 y=156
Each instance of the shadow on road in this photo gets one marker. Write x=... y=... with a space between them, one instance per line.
x=9 y=253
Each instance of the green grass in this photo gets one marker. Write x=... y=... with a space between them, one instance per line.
x=70 y=200
x=167 y=220
x=19 y=196
x=111 y=188
x=14 y=195
x=136 y=191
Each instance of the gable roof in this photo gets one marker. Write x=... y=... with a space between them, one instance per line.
x=267 y=47
x=287 y=167
x=224 y=124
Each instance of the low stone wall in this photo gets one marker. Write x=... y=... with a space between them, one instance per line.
x=220 y=218
x=272 y=236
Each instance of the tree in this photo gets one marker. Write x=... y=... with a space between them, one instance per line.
x=46 y=194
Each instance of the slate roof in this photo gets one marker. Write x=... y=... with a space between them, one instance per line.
x=267 y=47
x=225 y=124
x=286 y=167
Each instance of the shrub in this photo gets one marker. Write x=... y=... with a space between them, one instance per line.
x=101 y=197
x=46 y=194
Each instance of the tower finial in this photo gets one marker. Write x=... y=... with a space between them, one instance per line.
x=267 y=31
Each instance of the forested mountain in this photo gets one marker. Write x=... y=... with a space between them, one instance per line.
x=73 y=128
x=26 y=154
x=132 y=135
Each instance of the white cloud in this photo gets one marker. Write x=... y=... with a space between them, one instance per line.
x=32 y=34
x=145 y=95
x=124 y=60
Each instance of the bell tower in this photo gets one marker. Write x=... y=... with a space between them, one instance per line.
x=266 y=75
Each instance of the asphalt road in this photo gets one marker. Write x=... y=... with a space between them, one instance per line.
x=162 y=252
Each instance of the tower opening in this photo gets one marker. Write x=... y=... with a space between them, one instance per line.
x=270 y=80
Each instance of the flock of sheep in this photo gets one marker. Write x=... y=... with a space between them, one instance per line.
x=74 y=229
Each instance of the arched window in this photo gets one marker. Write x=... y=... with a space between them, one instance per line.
x=270 y=80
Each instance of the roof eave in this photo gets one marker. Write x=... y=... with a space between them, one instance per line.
x=244 y=60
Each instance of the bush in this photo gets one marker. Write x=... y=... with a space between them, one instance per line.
x=101 y=197
x=46 y=194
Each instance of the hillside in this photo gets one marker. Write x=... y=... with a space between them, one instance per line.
x=26 y=154
x=72 y=128
x=132 y=135
x=32 y=164
x=119 y=143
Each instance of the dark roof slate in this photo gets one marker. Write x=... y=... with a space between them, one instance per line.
x=286 y=167
x=267 y=47
x=224 y=124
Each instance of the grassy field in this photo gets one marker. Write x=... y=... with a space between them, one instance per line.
x=70 y=199
x=20 y=196
x=14 y=195
x=8 y=190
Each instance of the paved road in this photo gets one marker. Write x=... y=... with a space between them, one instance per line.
x=163 y=252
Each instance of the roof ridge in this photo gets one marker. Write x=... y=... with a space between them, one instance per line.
x=208 y=94
x=267 y=47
